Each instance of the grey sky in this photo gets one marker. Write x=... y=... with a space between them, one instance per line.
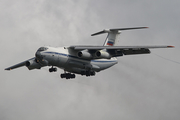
x=141 y=87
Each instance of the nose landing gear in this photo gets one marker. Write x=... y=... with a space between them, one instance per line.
x=52 y=69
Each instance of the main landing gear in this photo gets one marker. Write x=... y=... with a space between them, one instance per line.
x=88 y=73
x=52 y=69
x=71 y=76
x=68 y=75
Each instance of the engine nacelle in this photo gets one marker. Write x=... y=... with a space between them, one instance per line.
x=32 y=64
x=102 y=54
x=84 y=54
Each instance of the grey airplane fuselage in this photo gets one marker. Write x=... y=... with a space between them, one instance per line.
x=67 y=60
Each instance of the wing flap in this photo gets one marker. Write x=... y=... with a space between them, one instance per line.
x=135 y=51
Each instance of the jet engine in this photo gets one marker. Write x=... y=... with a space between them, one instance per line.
x=102 y=54
x=32 y=64
x=84 y=54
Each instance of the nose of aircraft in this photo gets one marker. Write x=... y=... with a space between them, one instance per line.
x=38 y=55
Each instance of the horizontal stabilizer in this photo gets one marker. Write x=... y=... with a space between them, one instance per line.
x=116 y=29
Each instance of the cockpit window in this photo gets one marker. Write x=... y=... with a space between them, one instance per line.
x=42 y=48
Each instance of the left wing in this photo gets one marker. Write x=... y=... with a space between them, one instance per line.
x=115 y=51
x=18 y=65
x=30 y=64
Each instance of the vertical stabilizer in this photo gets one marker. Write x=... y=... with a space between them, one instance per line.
x=112 y=38
x=113 y=35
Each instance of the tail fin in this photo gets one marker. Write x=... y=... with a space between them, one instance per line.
x=113 y=34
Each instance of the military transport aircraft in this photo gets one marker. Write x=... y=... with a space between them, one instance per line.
x=84 y=60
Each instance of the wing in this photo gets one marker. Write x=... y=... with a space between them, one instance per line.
x=115 y=47
x=115 y=51
x=19 y=64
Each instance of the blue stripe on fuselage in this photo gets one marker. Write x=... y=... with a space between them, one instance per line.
x=78 y=57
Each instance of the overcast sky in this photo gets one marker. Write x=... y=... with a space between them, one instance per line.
x=139 y=87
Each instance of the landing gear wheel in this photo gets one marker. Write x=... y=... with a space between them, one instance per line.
x=92 y=73
x=88 y=73
x=52 y=69
x=68 y=75
x=63 y=75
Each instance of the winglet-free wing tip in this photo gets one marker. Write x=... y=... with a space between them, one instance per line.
x=170 y=46
x=7 y=69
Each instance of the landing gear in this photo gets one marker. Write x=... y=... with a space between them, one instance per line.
x=88 y=73
x=52 y=69
x=68 y=75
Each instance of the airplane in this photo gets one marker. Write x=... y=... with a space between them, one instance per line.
x=84 y=60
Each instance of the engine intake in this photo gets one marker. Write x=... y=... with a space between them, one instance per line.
x=84 y=54
x=102 y=54
x=32 y=64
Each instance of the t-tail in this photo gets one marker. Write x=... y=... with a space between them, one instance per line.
x=113 y=35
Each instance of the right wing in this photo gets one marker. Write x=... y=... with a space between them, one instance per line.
x=19 y=64
x=116 y=51
x=116 y=47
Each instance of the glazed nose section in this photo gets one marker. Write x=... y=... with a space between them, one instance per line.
x=38 y=55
